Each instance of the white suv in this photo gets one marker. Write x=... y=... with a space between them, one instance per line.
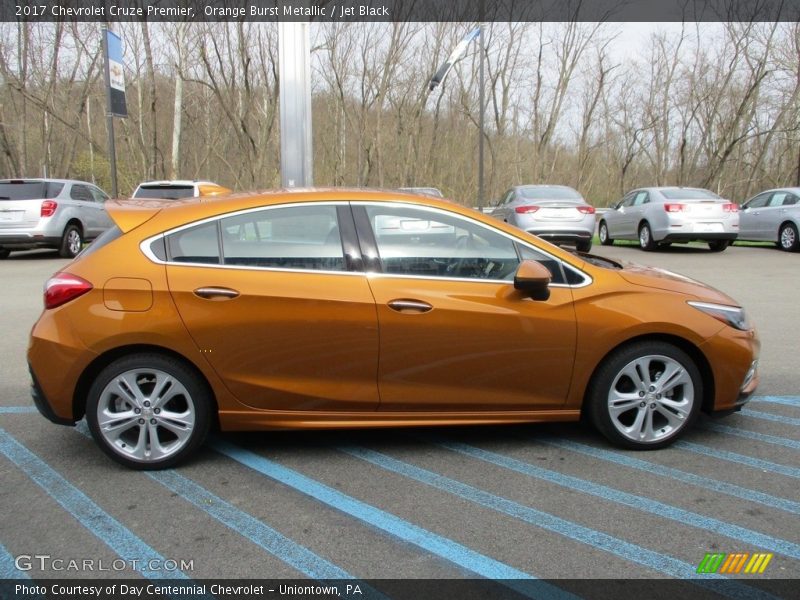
x=50 y=213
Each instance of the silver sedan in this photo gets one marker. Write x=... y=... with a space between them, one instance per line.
x=556 y=213
x=772 y=216
x=659 y=216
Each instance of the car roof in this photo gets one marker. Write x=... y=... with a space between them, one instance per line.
x=166 y=182
x=129 y=213
x=44 y=180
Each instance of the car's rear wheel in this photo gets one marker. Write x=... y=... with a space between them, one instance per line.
x=646 y=237
x=787 y=238
x=71 y=242
x=602 y=233
x=718 y=245
x=583 y=246
x=148 y=411
x=4 y=252
x=645 y=395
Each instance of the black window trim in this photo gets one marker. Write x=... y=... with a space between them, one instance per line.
x=351 y=267
x=369 y=246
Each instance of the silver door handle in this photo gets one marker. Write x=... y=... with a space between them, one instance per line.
x=211 y=293
x=409 y=305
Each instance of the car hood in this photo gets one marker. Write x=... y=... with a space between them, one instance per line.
x=662 y=279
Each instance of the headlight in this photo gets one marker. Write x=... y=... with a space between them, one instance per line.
x=730 y=315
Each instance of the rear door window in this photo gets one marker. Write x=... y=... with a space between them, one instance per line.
x=80 y=192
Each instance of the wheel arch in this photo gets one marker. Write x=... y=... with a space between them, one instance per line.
x=687 y=346
x=77 y=222
x=94 y=368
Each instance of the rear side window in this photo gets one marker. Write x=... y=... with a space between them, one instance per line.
x=199 y=244
x=81 y=192
x=169 y=192
x=298 y=237
x=29 y=190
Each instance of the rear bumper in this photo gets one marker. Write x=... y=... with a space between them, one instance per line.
x=43 y=405
x=18 y=240
x=563 y=236
x=702 y=237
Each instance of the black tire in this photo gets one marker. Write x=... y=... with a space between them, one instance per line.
x=787 y=238
x=602 y=233
x=187 y=398
x=718 y=245
x=4 y=253
x=646 y=238
x=624 y=429
x=583 y=246
x=71 y=241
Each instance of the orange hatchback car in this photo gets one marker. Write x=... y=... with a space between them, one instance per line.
x=354 y=308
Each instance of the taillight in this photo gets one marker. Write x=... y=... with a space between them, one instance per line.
x=526 y=209
x=587 y=210
x=730 y=207
x=673 y=208
x=49 y=208
x=63 y=287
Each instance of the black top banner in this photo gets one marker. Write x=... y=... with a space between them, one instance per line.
x=400 y=10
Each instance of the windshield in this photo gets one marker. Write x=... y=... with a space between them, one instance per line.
x=170 y=192
x=689 y=194
x=29 y=190
x=549 y=193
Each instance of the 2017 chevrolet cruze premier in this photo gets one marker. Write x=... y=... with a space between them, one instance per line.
x=354 y=308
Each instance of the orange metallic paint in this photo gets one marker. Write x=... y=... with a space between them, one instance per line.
x=303 y=349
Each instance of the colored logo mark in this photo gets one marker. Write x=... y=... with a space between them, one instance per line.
x=740 y=562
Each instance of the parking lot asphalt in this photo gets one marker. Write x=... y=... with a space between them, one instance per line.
x=545 y=501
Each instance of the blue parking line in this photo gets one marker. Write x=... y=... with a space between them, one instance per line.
x=647 y=505
x=17 y=410
x=756 y=463
x=8 y=569
x=666 y=565
x=785 y=400
x=767 y=416
x=443 y=547
x=753 y=435
x=672 y=473
x=299 y=557
x=102 y=525
x=269 y=539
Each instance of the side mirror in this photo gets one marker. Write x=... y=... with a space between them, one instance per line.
x=533 y=278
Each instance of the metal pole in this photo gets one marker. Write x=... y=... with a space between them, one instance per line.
x=294 y=60
x=112 y=151
x=480 y=121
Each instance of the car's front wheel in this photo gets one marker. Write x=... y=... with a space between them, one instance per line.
x=148 y=411
x=602 y=233
x=71 y=242
x=4 y=253
x=787 y=238
x=645 y=395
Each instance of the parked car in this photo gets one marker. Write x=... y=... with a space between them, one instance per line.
x=292 y=309
x=173 y=190
x=425 y=191
x=50 y=213
x=554 y=212
x=772 y=216
x=660 y=216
